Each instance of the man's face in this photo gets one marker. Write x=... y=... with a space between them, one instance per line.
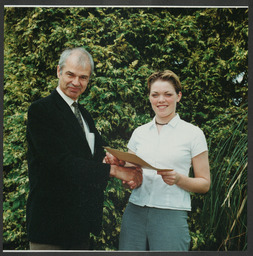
x=74 y=78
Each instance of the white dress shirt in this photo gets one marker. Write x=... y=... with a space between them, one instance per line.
x=174 y=148
x=89 y=136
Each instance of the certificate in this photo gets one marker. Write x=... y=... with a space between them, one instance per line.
x=132 y=158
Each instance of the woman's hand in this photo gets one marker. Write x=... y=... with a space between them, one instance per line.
x=201 y=181
x=132 y=176
x=134 y=184
x=169 y=177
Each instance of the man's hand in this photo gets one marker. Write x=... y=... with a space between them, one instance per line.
x=112 y=160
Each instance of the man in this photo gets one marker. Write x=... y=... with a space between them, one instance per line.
x=65 y=153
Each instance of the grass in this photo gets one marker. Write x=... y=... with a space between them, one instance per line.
x=224 y=212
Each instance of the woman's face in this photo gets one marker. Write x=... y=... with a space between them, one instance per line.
x=163 y=98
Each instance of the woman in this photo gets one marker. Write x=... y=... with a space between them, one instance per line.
x=156 y=215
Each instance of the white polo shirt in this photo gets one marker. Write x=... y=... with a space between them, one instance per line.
x=175 y=146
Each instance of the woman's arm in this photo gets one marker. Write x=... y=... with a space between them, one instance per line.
x=201 y=181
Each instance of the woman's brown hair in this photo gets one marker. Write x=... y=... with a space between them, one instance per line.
x=166 y=75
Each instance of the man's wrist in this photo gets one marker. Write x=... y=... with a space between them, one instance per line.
x=113 y=171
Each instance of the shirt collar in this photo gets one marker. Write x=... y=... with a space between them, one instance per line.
x=173 y=122
x=68 y=100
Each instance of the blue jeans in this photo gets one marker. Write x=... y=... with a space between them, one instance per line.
x=153 y=229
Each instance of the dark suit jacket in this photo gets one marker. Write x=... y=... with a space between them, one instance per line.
x=67 y=183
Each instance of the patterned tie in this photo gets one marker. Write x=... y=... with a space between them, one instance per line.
x=78 y=115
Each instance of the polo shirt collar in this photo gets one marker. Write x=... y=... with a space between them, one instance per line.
x=173 y=122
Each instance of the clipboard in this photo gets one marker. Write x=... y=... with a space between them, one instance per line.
x=132 y=158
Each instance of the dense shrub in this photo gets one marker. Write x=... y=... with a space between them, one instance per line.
x=207 y=48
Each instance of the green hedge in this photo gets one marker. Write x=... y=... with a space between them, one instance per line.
x=207 y=48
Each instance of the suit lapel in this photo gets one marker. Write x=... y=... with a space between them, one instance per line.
x=69 y=116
